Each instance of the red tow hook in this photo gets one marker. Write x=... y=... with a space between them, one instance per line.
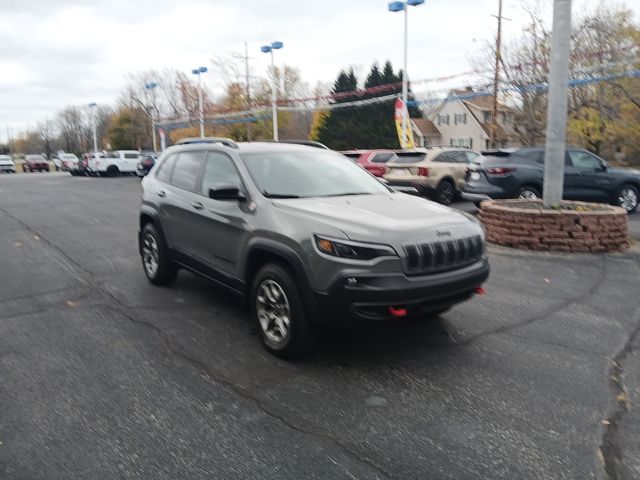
x=480 y=291
x=398 y=312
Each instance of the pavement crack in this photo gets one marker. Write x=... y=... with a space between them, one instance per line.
x=540 y=316
x=244 y=393
x=611 y=447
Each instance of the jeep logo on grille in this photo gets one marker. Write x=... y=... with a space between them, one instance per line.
x=443 y=233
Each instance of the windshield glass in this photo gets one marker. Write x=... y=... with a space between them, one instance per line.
x=308 y=174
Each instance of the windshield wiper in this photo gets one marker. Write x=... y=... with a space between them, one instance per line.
x=279 y=195
x=347 y=194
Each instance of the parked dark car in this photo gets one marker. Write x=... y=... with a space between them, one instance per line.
x=145 y=164
x=34 y=163
x=519 y=174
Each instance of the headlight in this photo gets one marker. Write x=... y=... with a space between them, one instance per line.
x=352 y=250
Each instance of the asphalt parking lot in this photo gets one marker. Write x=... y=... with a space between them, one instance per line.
x=104 y=376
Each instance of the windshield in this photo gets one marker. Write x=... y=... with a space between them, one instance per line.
x=293 y=174
x=69 y=157
x=408 y=157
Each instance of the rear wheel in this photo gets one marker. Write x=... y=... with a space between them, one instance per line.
x=528 y=193
x=445 y=192
x=113 y=171
x=627 y=198
x=155 y=258
x=278 y=310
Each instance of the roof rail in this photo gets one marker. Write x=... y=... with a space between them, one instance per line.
x=227 y=142
x=308 y=143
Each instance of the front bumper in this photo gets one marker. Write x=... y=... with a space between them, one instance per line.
x=372 y=297
x=7 y=168
x=475 y=197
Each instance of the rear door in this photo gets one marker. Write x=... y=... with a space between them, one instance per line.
x=180 y=200
x=130 y=161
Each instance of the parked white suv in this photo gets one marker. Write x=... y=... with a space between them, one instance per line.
x=6 y=164
x=115 y=163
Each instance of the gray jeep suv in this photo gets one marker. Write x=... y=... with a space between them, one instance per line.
x=305 y=237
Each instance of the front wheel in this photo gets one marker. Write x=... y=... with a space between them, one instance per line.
x=278 y=310
x=627 y=198
x=445 y=192
x=155 y=259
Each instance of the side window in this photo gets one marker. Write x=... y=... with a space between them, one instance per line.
x=471 y=157
x=219 y=168
x=187 y=169
x=382 y=158
x=442 y=158
x=459 y=157
x=584 y=161
x=165 y=168
x=131 y=155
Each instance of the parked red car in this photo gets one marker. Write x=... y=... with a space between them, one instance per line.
x=371 y=160
x=35 y=162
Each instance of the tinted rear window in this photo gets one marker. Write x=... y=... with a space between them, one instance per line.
x=536 y=156
x=352 y=156
x=408 y=157
x=187 y=169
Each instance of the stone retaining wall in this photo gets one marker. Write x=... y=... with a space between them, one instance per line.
x=558 y=230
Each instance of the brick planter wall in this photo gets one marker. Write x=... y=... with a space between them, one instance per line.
x=558 y=230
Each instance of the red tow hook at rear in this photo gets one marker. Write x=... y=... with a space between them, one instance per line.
x=480 y=291
x=398 y=312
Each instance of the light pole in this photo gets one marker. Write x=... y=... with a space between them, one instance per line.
x=199 y=71
x=399 y=7
x=554 y=157
x=93 y=106
x=151 y=86
x=274 y=93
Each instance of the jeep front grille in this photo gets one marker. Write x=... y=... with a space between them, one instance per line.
x=443 y=255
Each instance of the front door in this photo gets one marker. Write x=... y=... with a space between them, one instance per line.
x=222 y=229
x=588 y=177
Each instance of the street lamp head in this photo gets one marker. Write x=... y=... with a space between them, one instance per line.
x=202 y=70
x=195 y=71
x=396 y=6
x=150 y=85
x=265 y=49
x=415 y=3
x=93 y=104
x=276 y=45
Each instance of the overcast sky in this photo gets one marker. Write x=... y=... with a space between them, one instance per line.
x=55 y=53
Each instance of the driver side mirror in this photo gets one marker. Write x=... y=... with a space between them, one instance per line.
x=226 y=191
x=604 y=165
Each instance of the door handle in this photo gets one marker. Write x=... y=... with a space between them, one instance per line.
x=197 y=205
x=162 y=193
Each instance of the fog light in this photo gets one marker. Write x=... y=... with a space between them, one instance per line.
x=352 y=281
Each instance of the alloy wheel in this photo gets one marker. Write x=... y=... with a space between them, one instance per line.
x=274 y=313
x=150 y=254
x=628 y=199
x=528 y=195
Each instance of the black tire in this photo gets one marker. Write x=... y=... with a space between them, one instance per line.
x=112 y=171
x=445 y=192
x=300 y=335
x=627 y=198
x=527 y=192
x=165 y=272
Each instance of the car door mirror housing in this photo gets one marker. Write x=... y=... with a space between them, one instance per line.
x=225 y=191
x=604 y=166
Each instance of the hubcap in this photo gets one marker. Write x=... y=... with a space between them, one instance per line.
x=528 y=195
x=273 y=311
x=628 y=199
x=150 y=255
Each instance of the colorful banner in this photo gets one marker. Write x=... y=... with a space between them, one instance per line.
x=406 y=137
x=163 y=138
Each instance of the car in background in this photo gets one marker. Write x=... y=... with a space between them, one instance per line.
x=114 y=163
x=146 y=161
x=6 y=164
x=33 y=163
x=435 y=173
x=519 y=173
x=373 y=161
x=65 y=161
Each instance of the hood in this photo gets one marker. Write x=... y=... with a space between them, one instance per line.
x=391 y=219
x=624 y=171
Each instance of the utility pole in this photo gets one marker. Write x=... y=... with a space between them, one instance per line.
x=496 y=78
x=246 y=76
x=557 y=110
